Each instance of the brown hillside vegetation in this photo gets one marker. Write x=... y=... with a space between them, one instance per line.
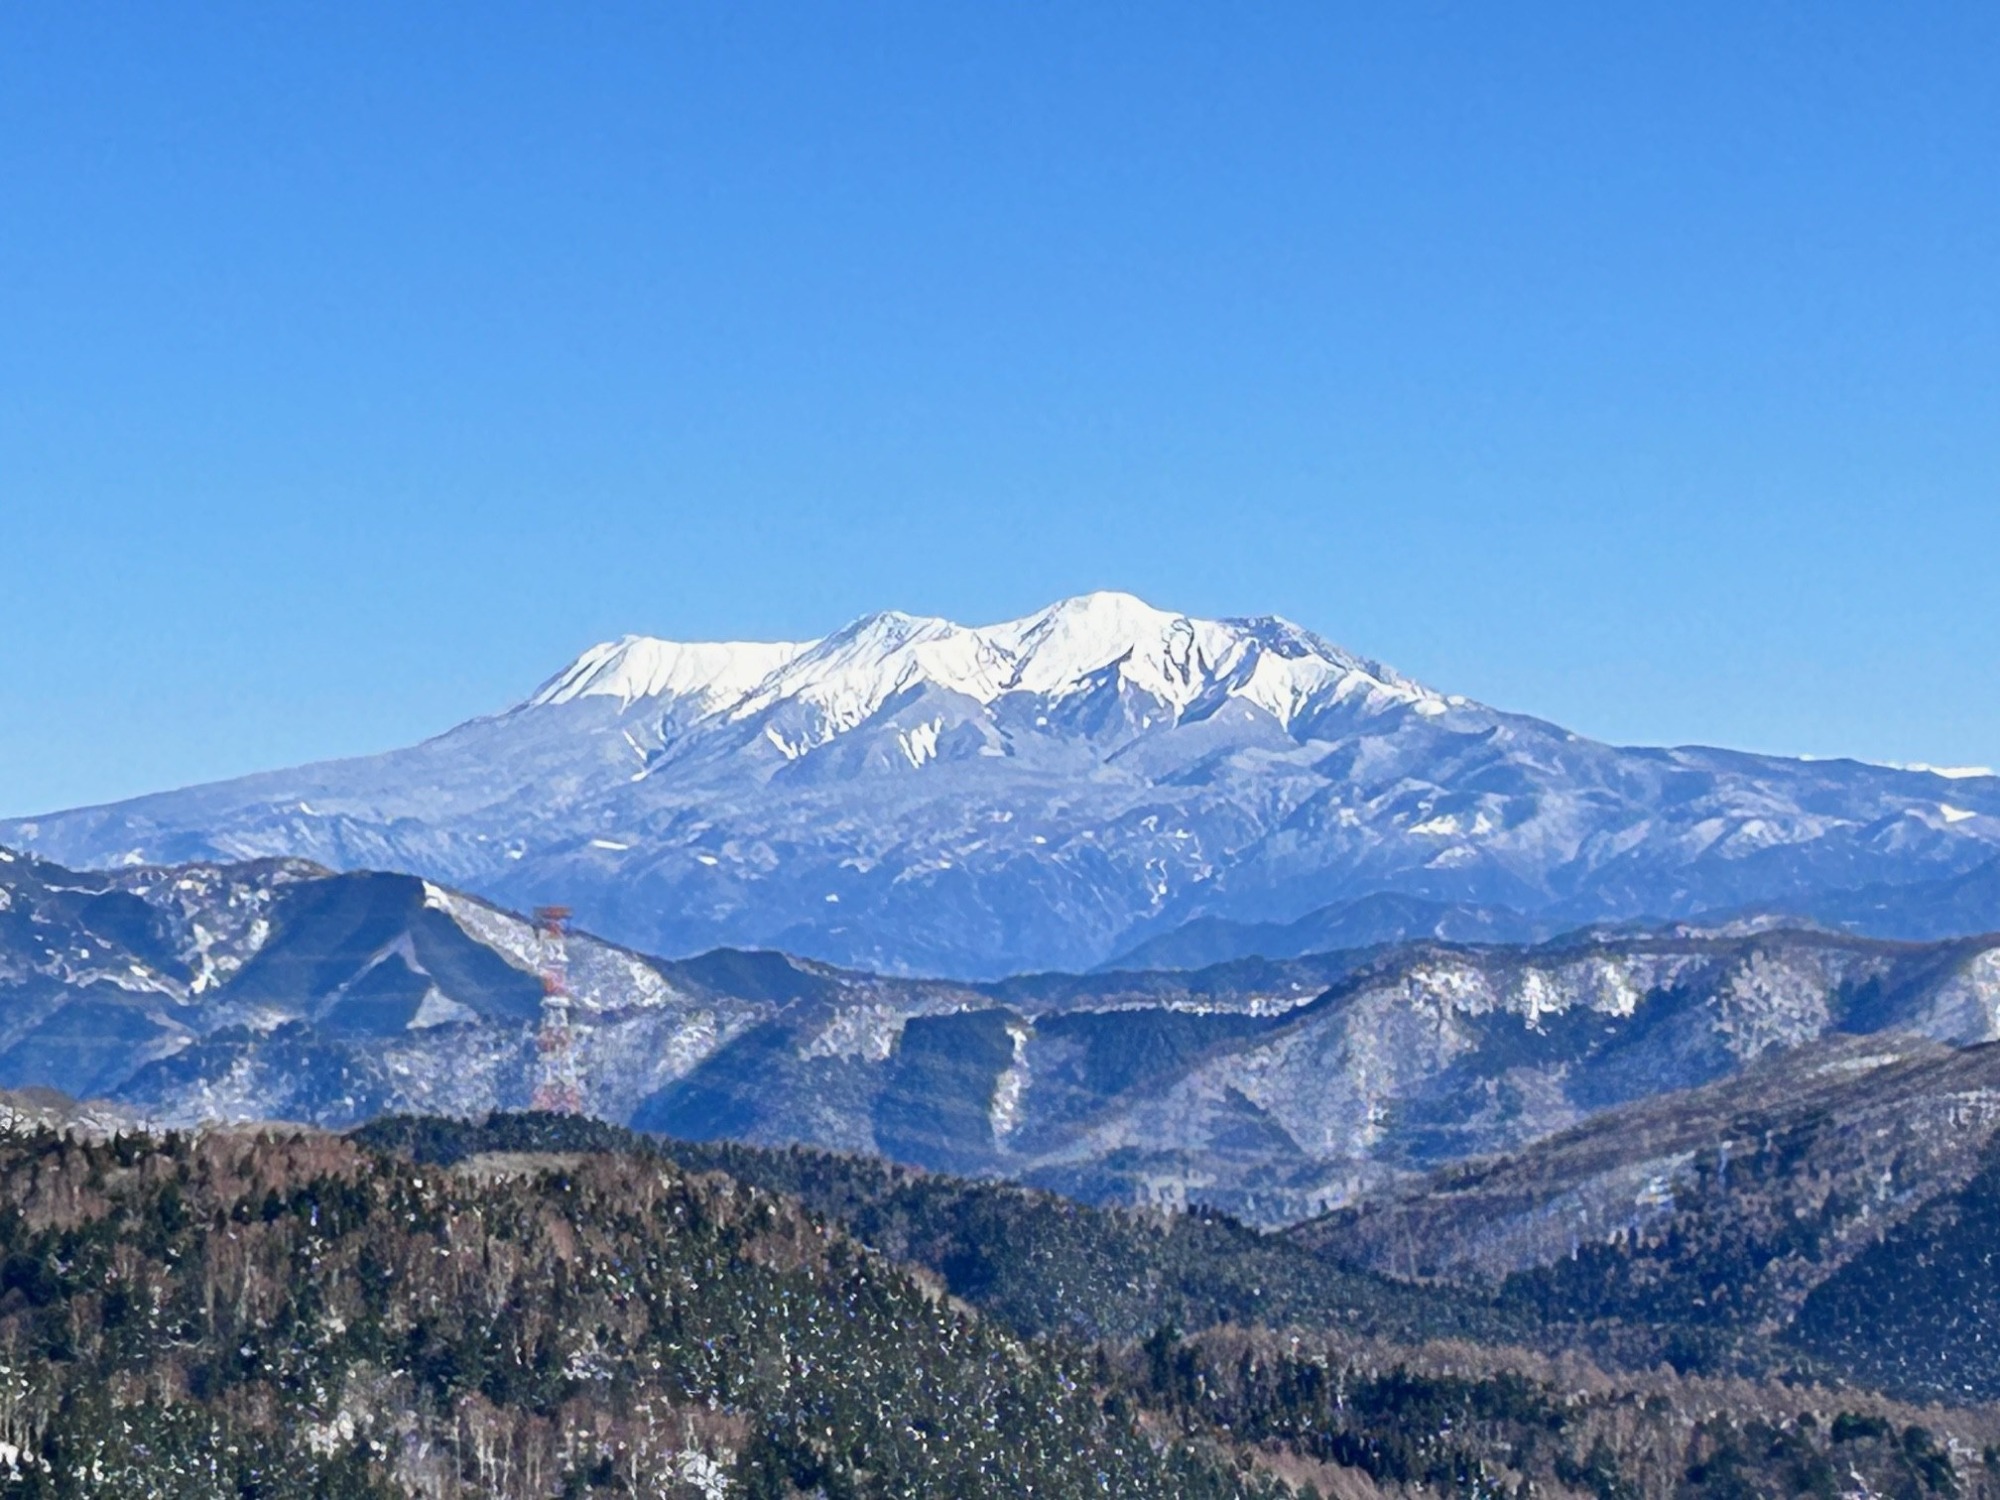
x=289 y=1314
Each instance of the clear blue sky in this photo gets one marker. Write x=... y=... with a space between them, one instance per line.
x=1636 y=366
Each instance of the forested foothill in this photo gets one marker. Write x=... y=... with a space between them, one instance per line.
x=541 y=1306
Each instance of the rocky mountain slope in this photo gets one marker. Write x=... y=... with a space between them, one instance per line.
x=909 y=795
x=1435 y=1054
x=1274 y=1089
x=276 y=989
x=1790 y=1169
x=1833 y=1208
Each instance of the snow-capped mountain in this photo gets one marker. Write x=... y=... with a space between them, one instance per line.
x=1189 y=668
x=909 y=794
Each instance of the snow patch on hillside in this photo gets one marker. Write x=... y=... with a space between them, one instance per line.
x=601 y=977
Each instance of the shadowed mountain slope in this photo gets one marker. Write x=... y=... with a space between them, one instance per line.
x=1811 y=1153
x=1832 y=1207
x=1272 y=1089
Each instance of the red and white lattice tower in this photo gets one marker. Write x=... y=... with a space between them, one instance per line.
x=558 y=1086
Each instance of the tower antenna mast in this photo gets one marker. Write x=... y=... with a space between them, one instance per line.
x=558 y=1085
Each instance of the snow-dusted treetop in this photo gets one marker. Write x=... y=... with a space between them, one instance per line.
x=1069 y=647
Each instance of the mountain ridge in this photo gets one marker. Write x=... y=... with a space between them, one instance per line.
x=911 y=796
x=1271 y=1089
x=1053 y=652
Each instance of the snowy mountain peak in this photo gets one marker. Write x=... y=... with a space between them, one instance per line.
x=712 y=674
x=845 y=678
x=1061 y=647
x=1068 y=648
x=913 y=794
x=1185 y=661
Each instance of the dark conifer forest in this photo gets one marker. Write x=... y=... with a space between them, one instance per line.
x=533 y=1306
